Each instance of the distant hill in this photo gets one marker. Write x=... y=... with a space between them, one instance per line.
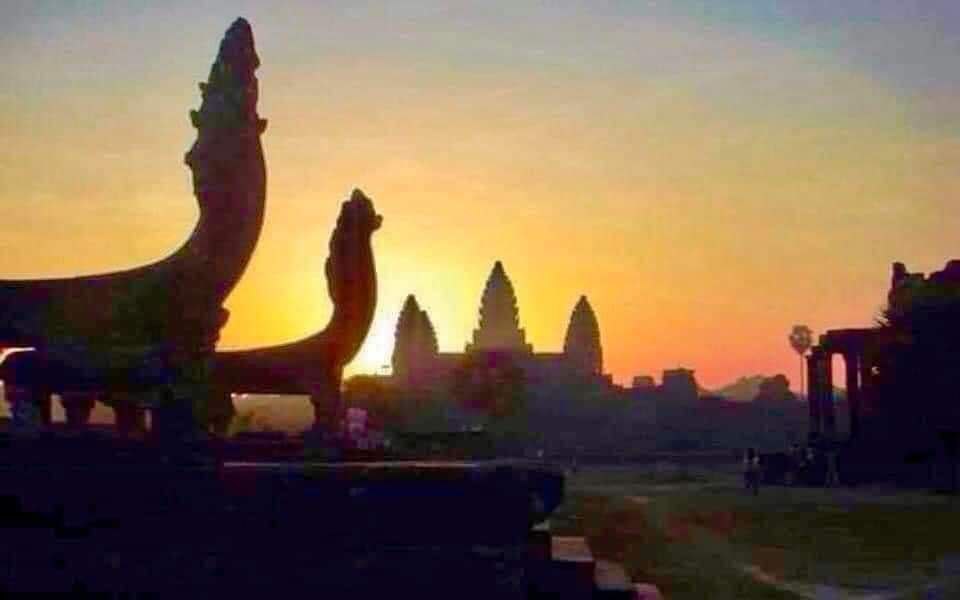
x=745 y=390
x=742 y=390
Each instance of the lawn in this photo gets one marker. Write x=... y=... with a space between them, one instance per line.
x=696 y=534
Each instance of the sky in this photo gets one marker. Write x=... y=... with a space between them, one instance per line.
x=709 y=175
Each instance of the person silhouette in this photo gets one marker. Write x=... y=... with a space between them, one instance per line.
x=833 y=476
x=751 y=470
x=794 y=464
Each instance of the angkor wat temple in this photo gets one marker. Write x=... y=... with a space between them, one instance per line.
x=563 y=402
x=499 y=342
x=179 y=511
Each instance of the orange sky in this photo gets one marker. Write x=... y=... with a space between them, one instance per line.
x=707 y=181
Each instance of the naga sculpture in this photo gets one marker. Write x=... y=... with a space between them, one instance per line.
x=156 y=326
x=314 y=365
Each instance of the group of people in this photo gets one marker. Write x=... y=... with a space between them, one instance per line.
x=804 y=464
x=813 y=459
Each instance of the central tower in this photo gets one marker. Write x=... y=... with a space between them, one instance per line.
x=499 y=327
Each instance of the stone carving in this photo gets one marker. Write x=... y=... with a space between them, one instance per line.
x=156 y=325
x=900 y=381
x=913 y=299
x=499 y=327
x=909 y=291
x=314 y=365
x=582 y=342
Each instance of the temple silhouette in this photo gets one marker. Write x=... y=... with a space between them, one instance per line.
x=561 y=404
x=902 y=421
x=180 y=509
x=417 y=362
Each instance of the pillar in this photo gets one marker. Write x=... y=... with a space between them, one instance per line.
x=328 y=407
x=179 y=403
x=852 y=363
x=130 y=419
x=826 y=399
x=813 y=390
x=866 y=384
x=44 y=402
x=77 y=408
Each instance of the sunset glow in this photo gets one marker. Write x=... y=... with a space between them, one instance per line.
x=708 y=178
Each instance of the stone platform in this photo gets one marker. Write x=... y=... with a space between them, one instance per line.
x=112 y=515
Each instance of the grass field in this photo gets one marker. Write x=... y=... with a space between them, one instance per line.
x=696 y=534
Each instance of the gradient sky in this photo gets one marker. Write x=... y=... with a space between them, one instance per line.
x=708 y=175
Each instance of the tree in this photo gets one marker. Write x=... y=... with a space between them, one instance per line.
x=801 y=338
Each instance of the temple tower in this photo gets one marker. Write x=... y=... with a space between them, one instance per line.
x=403 y=346
x=415 y=348
x=499 y=327
x=582 y=342
x=425 y=339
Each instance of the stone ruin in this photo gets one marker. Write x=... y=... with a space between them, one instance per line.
x=902 y=424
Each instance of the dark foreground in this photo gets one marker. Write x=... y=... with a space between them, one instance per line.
x=86 y=514
x=696 y=533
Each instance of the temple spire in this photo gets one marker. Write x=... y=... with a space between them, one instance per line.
x=499 y=327
x=427 y=336
x=582 y=343
x=415 y=348
x=403 y=347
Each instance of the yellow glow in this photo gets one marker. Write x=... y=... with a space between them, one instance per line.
x=703 y=213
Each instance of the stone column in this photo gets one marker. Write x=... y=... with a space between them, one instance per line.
x=866 y=384
x=826 y=399
x=77 y=408
x=813 y=390
x=327 y=406
x=130 y=418
x=180 y=405
x=852 y=362
x=44 y=402
x=175 y=420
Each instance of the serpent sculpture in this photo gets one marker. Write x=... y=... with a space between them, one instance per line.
x=314 y=365
x=155 y=327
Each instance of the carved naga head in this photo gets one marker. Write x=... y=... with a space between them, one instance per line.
x=350 y=263
x=228 y=127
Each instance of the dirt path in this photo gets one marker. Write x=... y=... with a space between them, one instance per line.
x=821 y=591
